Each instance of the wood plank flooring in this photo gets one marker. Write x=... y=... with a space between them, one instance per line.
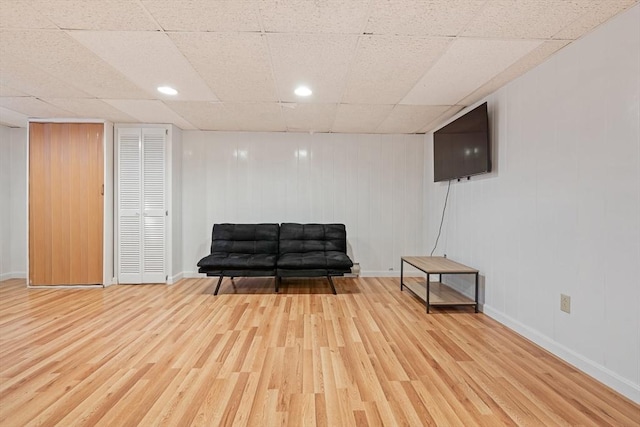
x=155 y=355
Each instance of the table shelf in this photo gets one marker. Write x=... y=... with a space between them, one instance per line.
x=439 y=294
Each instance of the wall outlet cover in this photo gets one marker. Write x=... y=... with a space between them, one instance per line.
x=565 y=303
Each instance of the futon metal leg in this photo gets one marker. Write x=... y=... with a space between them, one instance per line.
x=332 y=287
x=218 y=286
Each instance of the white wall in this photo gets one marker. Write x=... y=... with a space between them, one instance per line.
x=5 y=200
x=372 y=183
x=561 y=212
x=19 y=202
x=13 y=221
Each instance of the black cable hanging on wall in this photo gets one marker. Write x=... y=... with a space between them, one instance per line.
x=441 y=219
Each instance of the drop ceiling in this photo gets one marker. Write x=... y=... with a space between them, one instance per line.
x=375 y=66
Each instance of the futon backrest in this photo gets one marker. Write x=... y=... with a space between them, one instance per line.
x=300 y=238
x=245 y=238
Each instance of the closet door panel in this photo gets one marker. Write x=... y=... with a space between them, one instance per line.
x=39 y=201
x=60 y=148
x=129 y=216
x=79 y=209
x=94 y=188
x=154 y=248
x=130 y=250
x=153 y=204
x=154 y=171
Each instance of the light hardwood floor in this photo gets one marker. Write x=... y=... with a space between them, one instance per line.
x=176 y=355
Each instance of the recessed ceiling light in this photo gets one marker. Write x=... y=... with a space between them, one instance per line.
x=167 y=90
x=303 y=91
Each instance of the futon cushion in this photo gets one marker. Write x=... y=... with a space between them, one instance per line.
x=245 y=238
x=224 y=261
x=301 y=238
x=326 y=260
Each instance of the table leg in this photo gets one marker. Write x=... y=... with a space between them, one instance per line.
x=401 y=273
x=476 y=292
x=428 y=282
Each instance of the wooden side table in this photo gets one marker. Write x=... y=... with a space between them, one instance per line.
x=438 y=293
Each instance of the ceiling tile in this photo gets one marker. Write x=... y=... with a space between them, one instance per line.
x=20 y=14
x=235 y=65
x=150 y=111
x=598 y=12
x=205 y=115
x=58 y=54
x=318 y=61
x=385 y=68
x=309 y=117
x=97 y=15
x=465 y=66
x=205 y=15
x=257 y=117
x=9 y=91
x=149 y=59
x=91 y=108
x=33 y=107
x=13 y=118
x=231 y=117
x=525 y=19
x=33 y=81
x=352 y=118
x=411 y=118
x=304 y=16
x=421 y=17
x=521 y=66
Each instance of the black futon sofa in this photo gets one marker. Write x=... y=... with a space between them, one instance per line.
x=287 y=250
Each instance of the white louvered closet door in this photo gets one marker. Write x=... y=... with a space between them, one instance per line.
x=129 y=212
x=141 y=205
x=153 y=205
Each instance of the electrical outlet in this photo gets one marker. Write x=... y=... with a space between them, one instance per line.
x=565 y=303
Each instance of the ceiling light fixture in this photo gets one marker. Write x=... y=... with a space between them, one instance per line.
x=167 y=90
x=303 y=91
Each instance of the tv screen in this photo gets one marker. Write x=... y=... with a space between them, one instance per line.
x=461 y=148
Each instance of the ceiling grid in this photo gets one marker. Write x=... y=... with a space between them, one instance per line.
x=374 y=66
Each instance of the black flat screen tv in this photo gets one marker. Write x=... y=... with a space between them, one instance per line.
x=461 y=148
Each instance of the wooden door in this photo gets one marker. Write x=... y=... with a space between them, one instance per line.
x=66 y=203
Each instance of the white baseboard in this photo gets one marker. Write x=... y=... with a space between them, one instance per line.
x=192 y=275
x=597 y=371
x=175 y=278
x=13 y=275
